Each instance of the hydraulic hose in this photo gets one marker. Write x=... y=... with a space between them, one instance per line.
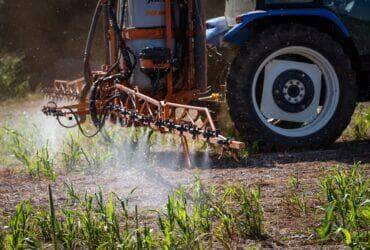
x=93 y=109
x=99 y=121
x=87 y=55
x=109 y=10
x=125 y=52
x=106 y=37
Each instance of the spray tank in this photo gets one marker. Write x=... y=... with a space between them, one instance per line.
x=144 y=24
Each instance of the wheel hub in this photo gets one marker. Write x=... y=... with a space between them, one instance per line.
x=293 y=91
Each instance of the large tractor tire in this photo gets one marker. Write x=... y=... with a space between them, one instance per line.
x=292 y=86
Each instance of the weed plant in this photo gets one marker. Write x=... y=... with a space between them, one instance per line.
x=346 y=208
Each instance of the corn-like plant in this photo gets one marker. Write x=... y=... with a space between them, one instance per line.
x=72 y=197
x=43 y=164
x=178 y=223
x=240 y=214
x=38 y=162
x=3 y=142
x=296 y=200
x=42 y=222
x=19 y=147
x=69 y=237
x=190 y=220
x=346 y=207
x=21 y=235
x=187 y=220
x=72 y=154
x=95 y=155
x=96 y=159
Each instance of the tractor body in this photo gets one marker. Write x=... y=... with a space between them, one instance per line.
x=347 y=21
x=301 y=68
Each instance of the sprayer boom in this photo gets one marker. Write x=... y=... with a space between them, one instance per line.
x=129 y=107
x=158 y=47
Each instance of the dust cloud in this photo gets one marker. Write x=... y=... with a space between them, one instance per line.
x=148 y=162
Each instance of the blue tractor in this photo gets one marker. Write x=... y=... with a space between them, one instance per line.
x=301 y=67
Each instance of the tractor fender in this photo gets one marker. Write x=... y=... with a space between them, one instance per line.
x=240 y=33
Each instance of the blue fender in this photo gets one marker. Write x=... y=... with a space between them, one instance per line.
x=240 y=33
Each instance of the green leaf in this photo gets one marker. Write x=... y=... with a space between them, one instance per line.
x=346 y=234
x=366 y=213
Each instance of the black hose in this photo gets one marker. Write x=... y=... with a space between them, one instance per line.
x=125 y=52
x=93 y=110
x=106 y=36
x=87 y=55
x=98 y=121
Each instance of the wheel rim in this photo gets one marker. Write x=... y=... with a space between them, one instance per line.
x=330 y=98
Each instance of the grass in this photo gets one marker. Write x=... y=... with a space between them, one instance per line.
x=346 y=208
x=199 y=219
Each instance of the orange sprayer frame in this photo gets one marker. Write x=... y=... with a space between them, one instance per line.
x=131 y=106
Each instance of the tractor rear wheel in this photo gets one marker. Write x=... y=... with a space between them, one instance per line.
x=292 y=86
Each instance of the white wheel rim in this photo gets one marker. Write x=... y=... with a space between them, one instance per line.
x=331 y=98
